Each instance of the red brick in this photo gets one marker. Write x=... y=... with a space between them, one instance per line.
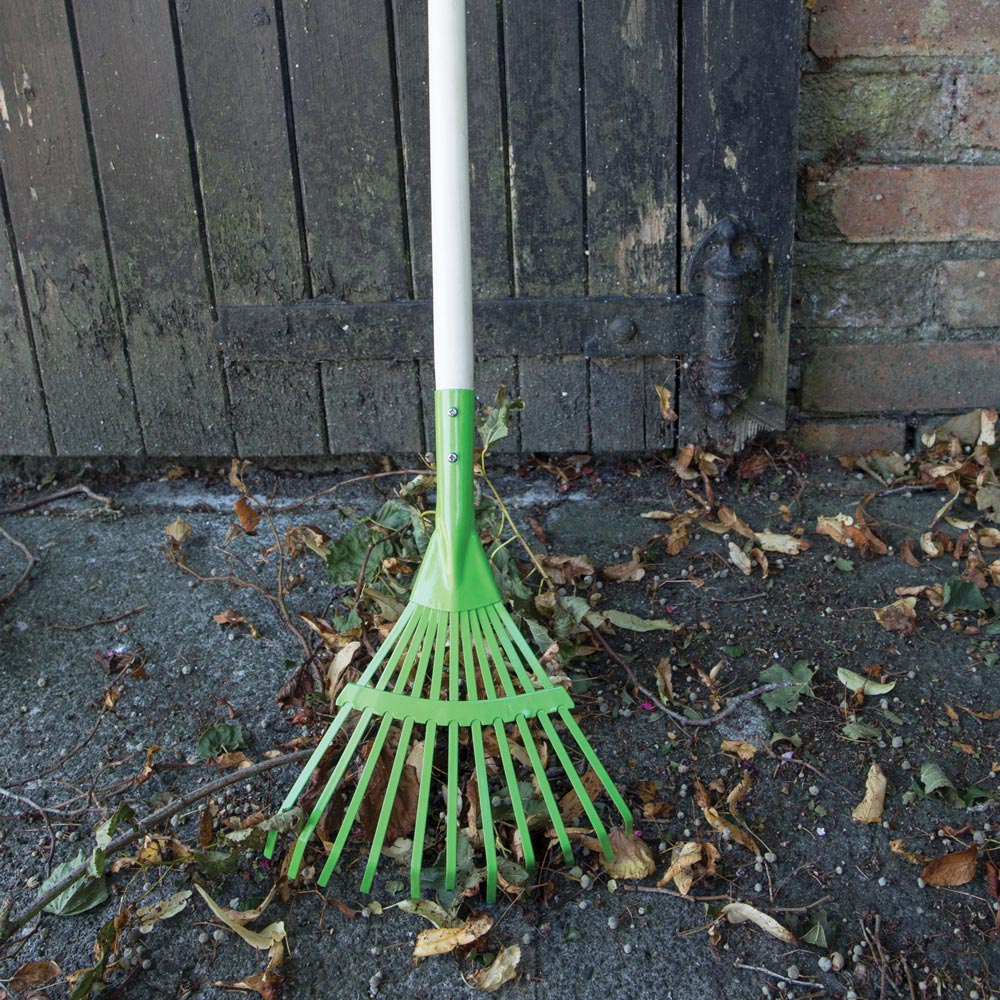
x=978 y=110
x=917 y=204
x=970 y=292
x=905 y=27
x=830 y=438
x=879 y=378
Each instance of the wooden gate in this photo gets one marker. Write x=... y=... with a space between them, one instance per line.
x=219 y=232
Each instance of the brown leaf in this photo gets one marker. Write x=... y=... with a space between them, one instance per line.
x=629 y=572
x=742 y=749
x=441 y=940
x=404 y=807
x=249 y=518
x=957 y=868
x=738 y=913
x=664 y=673
x=869 y=809
x=33 y=974
x=566 y=569
x=178 y=531
x=993 y=879
x=788 y=545
x=754 y=466
x=899 y=847
x=907 y=555
x=225 y=761
x=665 y=396
x=683 y=859
x=733 y=831
x=502 y=970
x=899 y=616
x=537 y=530
x=570 y=807
x=632 y=856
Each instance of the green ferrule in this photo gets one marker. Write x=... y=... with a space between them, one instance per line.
x=455 y=574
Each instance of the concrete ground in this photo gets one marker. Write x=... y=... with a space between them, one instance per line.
x=109 y=650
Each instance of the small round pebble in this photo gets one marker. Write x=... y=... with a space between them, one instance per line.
x=792 y=972
x=770 y=857
x=897 y=742
x=825 y=964
x=837 y=961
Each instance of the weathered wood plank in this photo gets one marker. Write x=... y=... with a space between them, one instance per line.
x=60 y=242
x=373 y=407
x=740 y=80
x=556 y=406
x=325 y=330
x=491 y=265
x=24 y=428
x=341 y=69
x=617 y=405
x=542 y=45
x=630 y=63
x=274 y=409
x=233 y=71
x=130 y=69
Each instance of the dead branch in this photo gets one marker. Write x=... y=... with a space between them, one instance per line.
x=17 y=508
x=98 y=621
x=30 y=563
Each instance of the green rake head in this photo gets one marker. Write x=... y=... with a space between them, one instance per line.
x=456 y=666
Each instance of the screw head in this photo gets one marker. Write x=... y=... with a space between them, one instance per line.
x=452 y=411
x=453 y=457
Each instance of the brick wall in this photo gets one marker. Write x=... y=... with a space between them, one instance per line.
x=896 y=310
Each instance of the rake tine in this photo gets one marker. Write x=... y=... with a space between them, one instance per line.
x=426 y=771
x=479 y=755
x=581 y=793
x=451 y=802
x=595 y=762
x=305 y=834
x=517 y=805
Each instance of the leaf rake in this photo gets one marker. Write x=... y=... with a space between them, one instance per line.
x=455 y=664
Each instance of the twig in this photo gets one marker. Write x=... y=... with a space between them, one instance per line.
x=774 y=975
x=683 y=720
x=142 y=827
x=288 y=508
x=664 y=891
x=516 y=531
x=97 y=621
x=739 y=600
x=31 y=561
x=58 y=495
x=43 y=812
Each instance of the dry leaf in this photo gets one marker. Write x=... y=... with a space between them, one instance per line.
x=739 y=913
x=566 y=569
x=665 y=396
x=178 y=531
x=740 y=559
x=441 y=940
x=869 y=809
x=788 y=545
x=899 y=847
x=33 y=974
x=742 y=749
x=683 y=858
x=570 y=807
x=664 y=673
x=629 y=572
x=632 y=856
x=150 y=916
x=953 y=869
x=249 y=518
x=502 y=970
x=899 y=616
x=261 y=940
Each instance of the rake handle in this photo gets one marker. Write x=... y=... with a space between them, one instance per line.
x=451 y=239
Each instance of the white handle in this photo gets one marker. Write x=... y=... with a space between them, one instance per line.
x=451 y=242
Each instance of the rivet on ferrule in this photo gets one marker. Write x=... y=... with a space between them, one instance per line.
x=452 y=411
x=453 y=457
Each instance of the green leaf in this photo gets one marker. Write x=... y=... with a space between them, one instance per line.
x=787 y=699
x=934 y=780
x=819 y=930
x=844 y=565
x=104 y=832
x=861 y=731
x=960 y=595
x=493 y=422
x=636 y=624
x=83 y=895
x=855 y=682
x=733 y=651
x=223 y=737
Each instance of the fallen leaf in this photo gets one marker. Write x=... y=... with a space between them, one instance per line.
x=249 y=518
x=632 y=856
x=33 y=974
x=566 y=569
x=739 y=913
x=502 y=970
x=149 y=916
x=665 y=396
x=869 y=809
x=740 y=559
x=683 y=858
x=629 y=572
x=441 y=940
x=899 y=847
x=261 y=940
x=570 y=807
x=178 y=531
x=788 y=545
x=953 y=869
x=899 y=616
x=664 y=673
x=742 y=749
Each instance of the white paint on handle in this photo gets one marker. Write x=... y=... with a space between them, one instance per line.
x=451 y=241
